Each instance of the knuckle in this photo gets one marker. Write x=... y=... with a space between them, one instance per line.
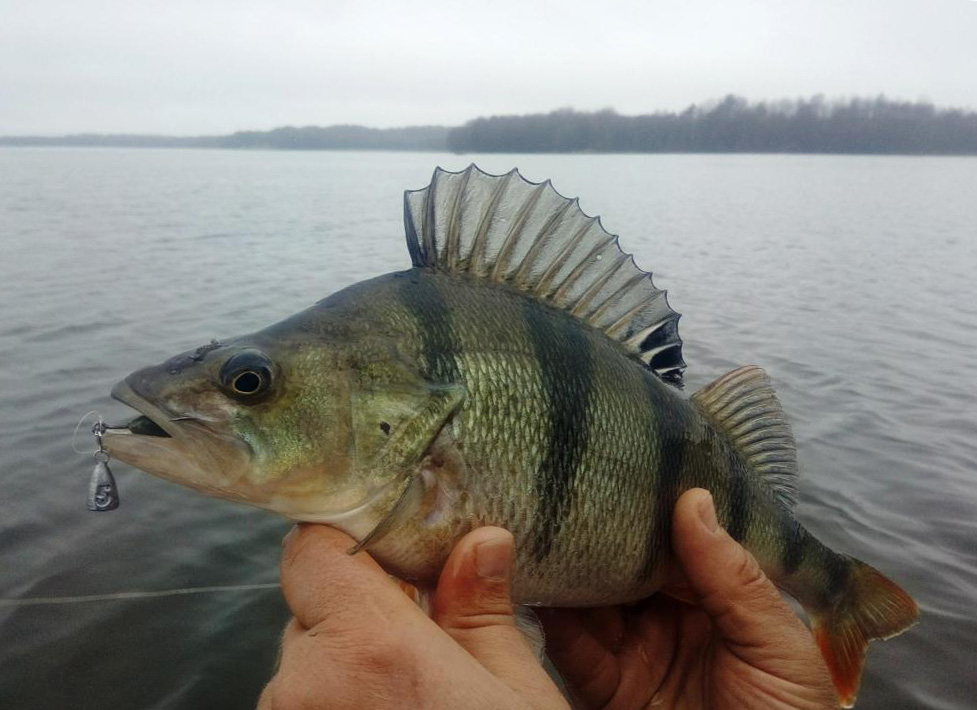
x=749 y=590
x=475 y=613
x=748 y=571
x=349 y=672
x=386 y=651
x=380 y=650
x=475 y=607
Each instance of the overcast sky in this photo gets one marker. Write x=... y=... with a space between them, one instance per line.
x=204 y=67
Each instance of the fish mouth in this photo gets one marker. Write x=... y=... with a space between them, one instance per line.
x=152 y=421
x=178 y=448
x=144 y=426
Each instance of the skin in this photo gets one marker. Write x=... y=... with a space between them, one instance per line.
x=357 y=640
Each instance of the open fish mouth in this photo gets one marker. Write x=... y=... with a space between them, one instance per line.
x=144 y=426
x=152 y=420
x=180 y=448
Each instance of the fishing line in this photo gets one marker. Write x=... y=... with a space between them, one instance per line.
x=101 y=457
x=81 y=421
x=123 y=596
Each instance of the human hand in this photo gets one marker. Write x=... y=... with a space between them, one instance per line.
x=357 y=641
x=740 y=646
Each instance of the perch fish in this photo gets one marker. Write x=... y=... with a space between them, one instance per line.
x=523 y=373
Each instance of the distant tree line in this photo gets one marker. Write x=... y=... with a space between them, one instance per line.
x=432 y=138
x=733 y=125
x=340 y=138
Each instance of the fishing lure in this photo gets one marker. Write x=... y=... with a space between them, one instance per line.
x=103 y=493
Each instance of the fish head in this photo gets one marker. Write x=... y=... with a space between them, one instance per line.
x=261 y=420
x=310 y=424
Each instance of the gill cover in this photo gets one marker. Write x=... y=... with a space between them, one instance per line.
x=393 y=427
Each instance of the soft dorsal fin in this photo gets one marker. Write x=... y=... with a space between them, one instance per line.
x=743 y=406
x=529 y=237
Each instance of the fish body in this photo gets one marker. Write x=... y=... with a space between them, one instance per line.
x=523 y=374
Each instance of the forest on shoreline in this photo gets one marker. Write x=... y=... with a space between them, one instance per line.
x=734 y=125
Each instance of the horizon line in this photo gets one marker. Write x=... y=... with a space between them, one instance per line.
x=709 y=103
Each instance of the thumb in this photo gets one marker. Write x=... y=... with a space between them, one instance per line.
x=473 y=604
x=742 y=602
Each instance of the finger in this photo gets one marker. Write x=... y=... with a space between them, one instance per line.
x=473 y=605
x=590 y=670
x=607 y=625
x=727 y=580
x=265 y=699
x=322 y=582
x=290 y=636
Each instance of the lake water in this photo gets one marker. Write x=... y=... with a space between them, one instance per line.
x=850 y=279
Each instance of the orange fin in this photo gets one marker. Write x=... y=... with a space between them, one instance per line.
x=873 y=607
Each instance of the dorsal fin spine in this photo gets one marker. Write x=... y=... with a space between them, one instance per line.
x=589 y=295
x=564 y=286
x=621 y=324
x=529 y=238
x=452 y=247
x=478 y=246
x=642 y=335
x=543 y=289
x=649 y=355
x=549 y=228
x=515 y=231
x=614 y=298
x=427 y=233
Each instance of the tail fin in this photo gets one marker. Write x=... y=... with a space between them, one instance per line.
x=872 y=607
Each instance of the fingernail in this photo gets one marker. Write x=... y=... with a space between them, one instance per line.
x=707 y=513
x=493 y=559
x=289 y=535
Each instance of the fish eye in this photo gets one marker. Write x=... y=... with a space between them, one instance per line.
x=247 y=382
x=246 y=375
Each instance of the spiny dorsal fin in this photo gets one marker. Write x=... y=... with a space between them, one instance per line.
x=742 y=405
x=529 y=237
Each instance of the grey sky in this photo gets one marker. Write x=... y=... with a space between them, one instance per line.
x=195 y=67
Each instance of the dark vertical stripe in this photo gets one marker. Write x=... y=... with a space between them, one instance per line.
x=837 y=568
x=420 y=295
x=563 y=354
x=792 y=539
x=739 y=499
x=671 y=455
